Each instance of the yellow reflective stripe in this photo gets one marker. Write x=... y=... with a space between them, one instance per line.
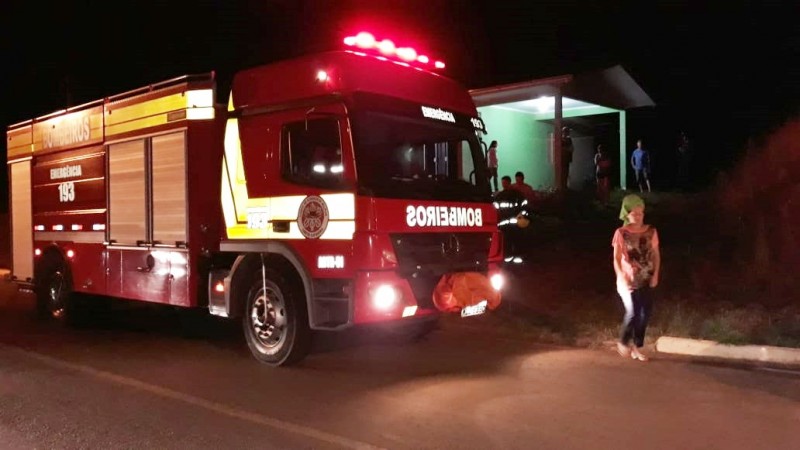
x=41 y=129
x=199 y=113
x=343 y=229
x=155 y=112
x=341 y=206
x=337 y=230
x=20 y=142
x=234 y=185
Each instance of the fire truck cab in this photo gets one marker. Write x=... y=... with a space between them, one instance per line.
x=333 y=190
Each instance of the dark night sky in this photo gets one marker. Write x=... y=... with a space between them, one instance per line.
x=724 y=73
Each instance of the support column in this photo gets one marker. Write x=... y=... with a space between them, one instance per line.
x=560 y=183
x=623 y=153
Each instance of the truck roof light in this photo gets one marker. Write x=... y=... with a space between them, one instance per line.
x=386 y=47
x=407 y=54
x=363 y=40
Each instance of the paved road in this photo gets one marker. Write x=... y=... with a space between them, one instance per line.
x=139 y=383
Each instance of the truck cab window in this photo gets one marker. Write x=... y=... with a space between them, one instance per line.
x=311 y=153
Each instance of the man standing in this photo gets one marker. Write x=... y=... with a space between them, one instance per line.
x=640 y=161
x=566 y=155
x=509 y=204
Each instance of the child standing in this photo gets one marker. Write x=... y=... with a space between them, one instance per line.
x=637 y=261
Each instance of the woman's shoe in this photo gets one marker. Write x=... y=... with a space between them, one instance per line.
x=639 y=356
x=623 y=350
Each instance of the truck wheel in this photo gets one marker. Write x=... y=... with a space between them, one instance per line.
x=54 y=291
x=276 y=321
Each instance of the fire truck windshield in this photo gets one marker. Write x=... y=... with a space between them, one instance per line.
x=413 y=156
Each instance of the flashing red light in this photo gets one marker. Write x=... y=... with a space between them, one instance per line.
x=70 y=254
x=386 y=47
x=219 y=287
x=407 y=53
x=364 y=40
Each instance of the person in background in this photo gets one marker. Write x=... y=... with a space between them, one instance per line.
x=602 y=173
x=640 y=161
x=523 y=187
x=684 y=160
x=637 y=263
x=566 y=154
x=491 y=162
x=510 y=203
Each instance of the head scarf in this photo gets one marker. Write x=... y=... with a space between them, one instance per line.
x=630 y=202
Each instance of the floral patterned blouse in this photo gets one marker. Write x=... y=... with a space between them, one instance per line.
x=638 y=259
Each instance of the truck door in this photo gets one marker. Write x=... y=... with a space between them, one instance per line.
x=21 y=222
x=133 y=270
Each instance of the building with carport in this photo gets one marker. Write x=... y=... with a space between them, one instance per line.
x=525 y=117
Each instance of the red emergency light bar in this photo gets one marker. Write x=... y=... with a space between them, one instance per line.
x=366 y=41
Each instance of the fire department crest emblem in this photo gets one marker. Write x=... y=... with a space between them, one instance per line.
x=312 y=218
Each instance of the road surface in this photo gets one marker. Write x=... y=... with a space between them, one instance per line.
x=139 y=382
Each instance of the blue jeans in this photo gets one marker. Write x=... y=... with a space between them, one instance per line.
x=638 y=306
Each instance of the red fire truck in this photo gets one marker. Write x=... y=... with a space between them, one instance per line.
x=333 y=190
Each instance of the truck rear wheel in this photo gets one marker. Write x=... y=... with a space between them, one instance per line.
x=275 y=320
x=54 y=297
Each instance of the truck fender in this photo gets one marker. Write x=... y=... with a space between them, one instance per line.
x=251 y=260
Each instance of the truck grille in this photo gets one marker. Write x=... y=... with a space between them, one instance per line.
x=424 y=257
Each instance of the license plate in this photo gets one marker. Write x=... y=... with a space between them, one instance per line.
x=474 y=310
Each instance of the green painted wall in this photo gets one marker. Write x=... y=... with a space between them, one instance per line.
x=522 y=145
x=578 y=112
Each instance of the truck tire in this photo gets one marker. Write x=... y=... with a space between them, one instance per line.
x=275 y=321
x=54 y=296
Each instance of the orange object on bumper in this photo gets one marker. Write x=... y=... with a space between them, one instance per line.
x=456 y=291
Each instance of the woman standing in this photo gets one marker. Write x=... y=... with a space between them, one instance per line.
x=637 y=261
x=491 y=162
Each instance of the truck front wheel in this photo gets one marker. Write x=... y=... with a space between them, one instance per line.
x=275 y=320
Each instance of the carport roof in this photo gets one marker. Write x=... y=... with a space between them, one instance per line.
x=612 y=87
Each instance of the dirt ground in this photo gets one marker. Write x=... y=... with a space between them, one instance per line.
x=564 y=292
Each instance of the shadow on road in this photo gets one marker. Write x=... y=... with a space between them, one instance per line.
x=140 y=330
